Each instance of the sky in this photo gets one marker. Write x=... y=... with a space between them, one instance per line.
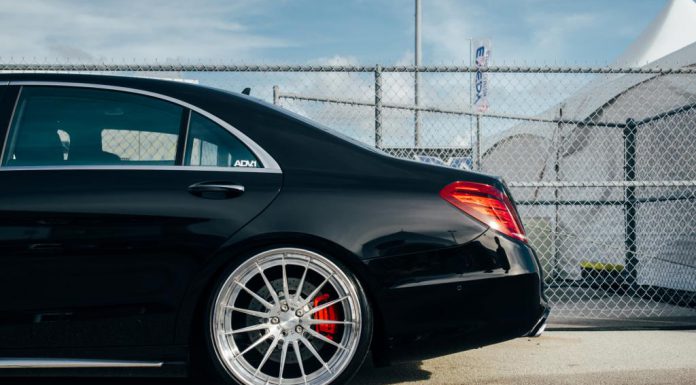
x=592 y=32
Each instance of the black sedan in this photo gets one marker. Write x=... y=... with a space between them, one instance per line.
x=152 y=227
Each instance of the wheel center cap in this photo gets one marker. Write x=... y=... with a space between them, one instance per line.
x=288 y=321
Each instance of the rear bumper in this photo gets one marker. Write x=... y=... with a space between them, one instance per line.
x=540 y=325
x=487 y=291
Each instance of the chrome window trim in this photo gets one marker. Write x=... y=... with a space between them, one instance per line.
x=186 y=137
x=62 y=363
x=6 y=140
x=143 y=168
x=265 y=158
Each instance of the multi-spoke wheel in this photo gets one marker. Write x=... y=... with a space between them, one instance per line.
x=289 y=316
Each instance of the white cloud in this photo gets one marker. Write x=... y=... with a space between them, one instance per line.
x=531 y=35
x=447 y=24
x=130 y=29
x=406 y=59
x=553 y=38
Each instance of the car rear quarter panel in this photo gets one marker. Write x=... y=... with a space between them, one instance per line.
x=342 y=197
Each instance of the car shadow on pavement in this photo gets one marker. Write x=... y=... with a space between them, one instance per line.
x=368 y=375
x=394 y=374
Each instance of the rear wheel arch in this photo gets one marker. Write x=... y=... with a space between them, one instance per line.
x=197 y=301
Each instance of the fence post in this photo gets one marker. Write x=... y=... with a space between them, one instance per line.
x=416 y=112
x=378 y=106
x=478 y=142
x=631 y=260
x=556 y=270
x=276 y=95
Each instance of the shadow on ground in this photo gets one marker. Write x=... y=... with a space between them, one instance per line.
x=368 y=375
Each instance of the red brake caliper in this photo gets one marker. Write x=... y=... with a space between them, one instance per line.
x=328 y=314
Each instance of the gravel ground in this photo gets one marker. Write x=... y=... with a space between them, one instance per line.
x=597 y=358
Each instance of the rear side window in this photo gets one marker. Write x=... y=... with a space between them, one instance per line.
x=80 y=126
x=210 y=145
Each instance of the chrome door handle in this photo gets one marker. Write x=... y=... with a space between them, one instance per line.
x=216 y=190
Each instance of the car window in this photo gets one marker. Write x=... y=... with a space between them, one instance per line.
x=140 y=146
x=209 y=144
x=80 y=126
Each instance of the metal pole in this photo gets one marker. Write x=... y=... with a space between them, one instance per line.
x=556 y=270
x=629 y=136
x=471 y=89
x=416 y=85
x=378 y=106
x=276 y=95
x=478 y=142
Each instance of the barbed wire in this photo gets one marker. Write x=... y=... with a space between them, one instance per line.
x=659 y=183
x=137 y=67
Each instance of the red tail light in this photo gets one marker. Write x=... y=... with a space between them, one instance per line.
x=487 y=204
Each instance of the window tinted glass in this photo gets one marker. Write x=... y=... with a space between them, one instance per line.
x=208 y=144
x=79 y=126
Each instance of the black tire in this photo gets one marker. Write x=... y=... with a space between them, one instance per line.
x=360 y=351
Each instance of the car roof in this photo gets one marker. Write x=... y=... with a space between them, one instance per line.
x=150 y=83
x=235 y=108
x=85 y=78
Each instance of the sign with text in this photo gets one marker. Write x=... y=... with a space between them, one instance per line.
x=482 y=57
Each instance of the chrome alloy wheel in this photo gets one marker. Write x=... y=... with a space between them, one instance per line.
x=286 y=316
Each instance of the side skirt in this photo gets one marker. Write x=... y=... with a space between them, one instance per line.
x=58 y=367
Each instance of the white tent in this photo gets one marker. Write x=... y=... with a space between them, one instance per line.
x=666 y=151
x=668 y=42
x=673 y=29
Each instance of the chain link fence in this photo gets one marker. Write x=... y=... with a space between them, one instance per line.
x=601 y=161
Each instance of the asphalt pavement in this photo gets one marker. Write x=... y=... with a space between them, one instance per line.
x=631 y=357
x=595 y=357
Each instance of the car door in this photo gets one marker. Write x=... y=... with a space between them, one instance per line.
x=110 y=201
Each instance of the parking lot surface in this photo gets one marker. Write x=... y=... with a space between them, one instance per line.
x=636 y=357
x=598 y=357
